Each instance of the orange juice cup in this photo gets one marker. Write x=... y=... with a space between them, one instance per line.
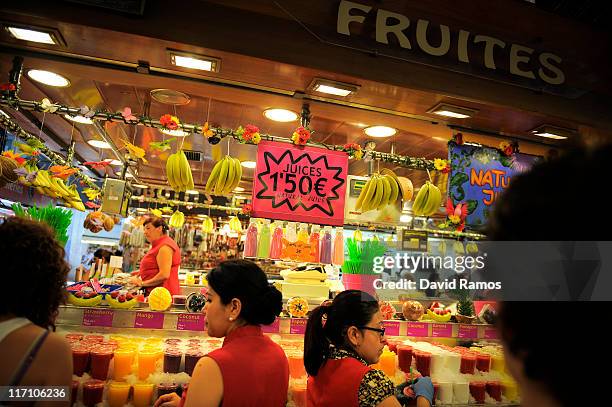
x=124 y=358
x=296 y=365
x=118 y=393
x=146 y=363
x=142 y=394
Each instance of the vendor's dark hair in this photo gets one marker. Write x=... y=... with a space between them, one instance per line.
x=33 y=271
x=244 y=280
x=157 y=222
x=103 y=254
x=349 y=308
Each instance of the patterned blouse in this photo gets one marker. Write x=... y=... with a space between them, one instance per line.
x=375 y=385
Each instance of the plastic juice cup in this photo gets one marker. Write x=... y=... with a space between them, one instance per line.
x=166 y=388
x=494 y=390
x=74 y=391
x=423 y=363
x=468 y=363
x=387 y=363
x=192 y=357
x=143 y=392
x=93 y=391
x=404 y=357
x=100 y=361
x=118 y=393
x=477 y=390
x=76 y=337
x=298 y=394
x=483 y=362
x=93 y=338
x=80 y=360
x=124 y=358
x=509 y=389
x=146 y=363
x=497 y=363
x=296 y=365
x=172 y=360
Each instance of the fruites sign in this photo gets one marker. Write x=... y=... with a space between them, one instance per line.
x=302 y=184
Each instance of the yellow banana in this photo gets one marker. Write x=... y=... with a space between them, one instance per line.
x=433 y=203
x=170 y=171
x=386 y=193
x=362 y=194
x=212 y=178
x=421 y=200
x=185 y=169
x=394 y=190
x=378 y=194
x=222 y=176
x=370 y=190
x=231 y=173
x=238 y=176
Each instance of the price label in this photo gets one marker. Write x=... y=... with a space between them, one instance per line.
x=298 y=326
x=468 y=332
x=441 y=330
x=273 y=328
x=98 y=317
x=392 y=328
x=149 y=320
x=304 y=184
x=490 y=333
x=419 y=329
x=191 y=322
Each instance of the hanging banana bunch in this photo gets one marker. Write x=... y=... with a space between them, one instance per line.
x=178 y=172
x=382 y=189
x=207 y=225
x=224 y=177
x=177 y=220
x=427 y=201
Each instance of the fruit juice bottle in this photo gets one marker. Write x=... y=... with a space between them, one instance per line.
x=146 y=362
x=338 y=256
x=302 y=235
x=118 y=393
x=123 y=363
x=263 y=245
x=100 y=360
x=326 y=246
x=404 y=357
x=250 y=244
x=290 y=232
x=387 y=362
x=314 y=242
x=143 y=392
x=276 y=248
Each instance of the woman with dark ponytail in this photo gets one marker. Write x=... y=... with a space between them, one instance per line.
x=342 y=339
x=250 y=369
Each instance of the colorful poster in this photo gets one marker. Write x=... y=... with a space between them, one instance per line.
x=479 y=174
x=302 y=184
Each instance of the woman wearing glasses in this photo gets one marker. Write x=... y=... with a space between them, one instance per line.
x=342 y=339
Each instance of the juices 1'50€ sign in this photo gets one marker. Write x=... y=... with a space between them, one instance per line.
x=303 y=184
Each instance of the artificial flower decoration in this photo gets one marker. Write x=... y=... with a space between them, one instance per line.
x=47 y=106
x=160 y=146
x=8 y=87
x=86 y=112
x=455 y=216
x=458 y=138
x=91 y=205
x=62 y=171
x=249 y=134
x=99 y=165
x=27 y=148
x=206 y=131
x=169 y=122
x=508 y=148
x=353 y=150
x=128 y=116
x=15 y=157
x=442 y=165
x=247 y=209
x=300 y=136
x=135 y=151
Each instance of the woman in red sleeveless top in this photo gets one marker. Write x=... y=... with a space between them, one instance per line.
x=249 y=369
x=342 y=339
x=159 y=267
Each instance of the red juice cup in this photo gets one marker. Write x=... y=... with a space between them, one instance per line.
x=93 y=338
x=494 y=390
x=166 y=388
x=93 y=391
x=100 y=360
x=423 y=363
x=477 y=390
x=192 y=356
x=172 y=360
x=74 y=390
x=76 y=337
x=80 y=360
x=404 y=357
x=468 y=363
x=483 y=362
x=173 y=341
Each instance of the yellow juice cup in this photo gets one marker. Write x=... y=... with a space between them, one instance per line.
x=146 y=363
x=124 y=358
x=142 y=394
x=387 y=363
x=118 y=393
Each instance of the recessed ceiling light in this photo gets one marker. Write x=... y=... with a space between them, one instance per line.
x=380 y=131
x=194 y=61
x=99 y=144
x=333 y=87
x=48 y=78
x=553 y=132
x=31 y=35
x=249 y=164
x=238 y=189
x=176 y=133
x=79 y=119
x=447 y=110
x=141 y=186
x=192 y=192
x=281 y=115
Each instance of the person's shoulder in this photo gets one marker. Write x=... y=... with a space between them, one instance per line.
x=57 y=344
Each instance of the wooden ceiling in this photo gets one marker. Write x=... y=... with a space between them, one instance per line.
x=101 y=66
